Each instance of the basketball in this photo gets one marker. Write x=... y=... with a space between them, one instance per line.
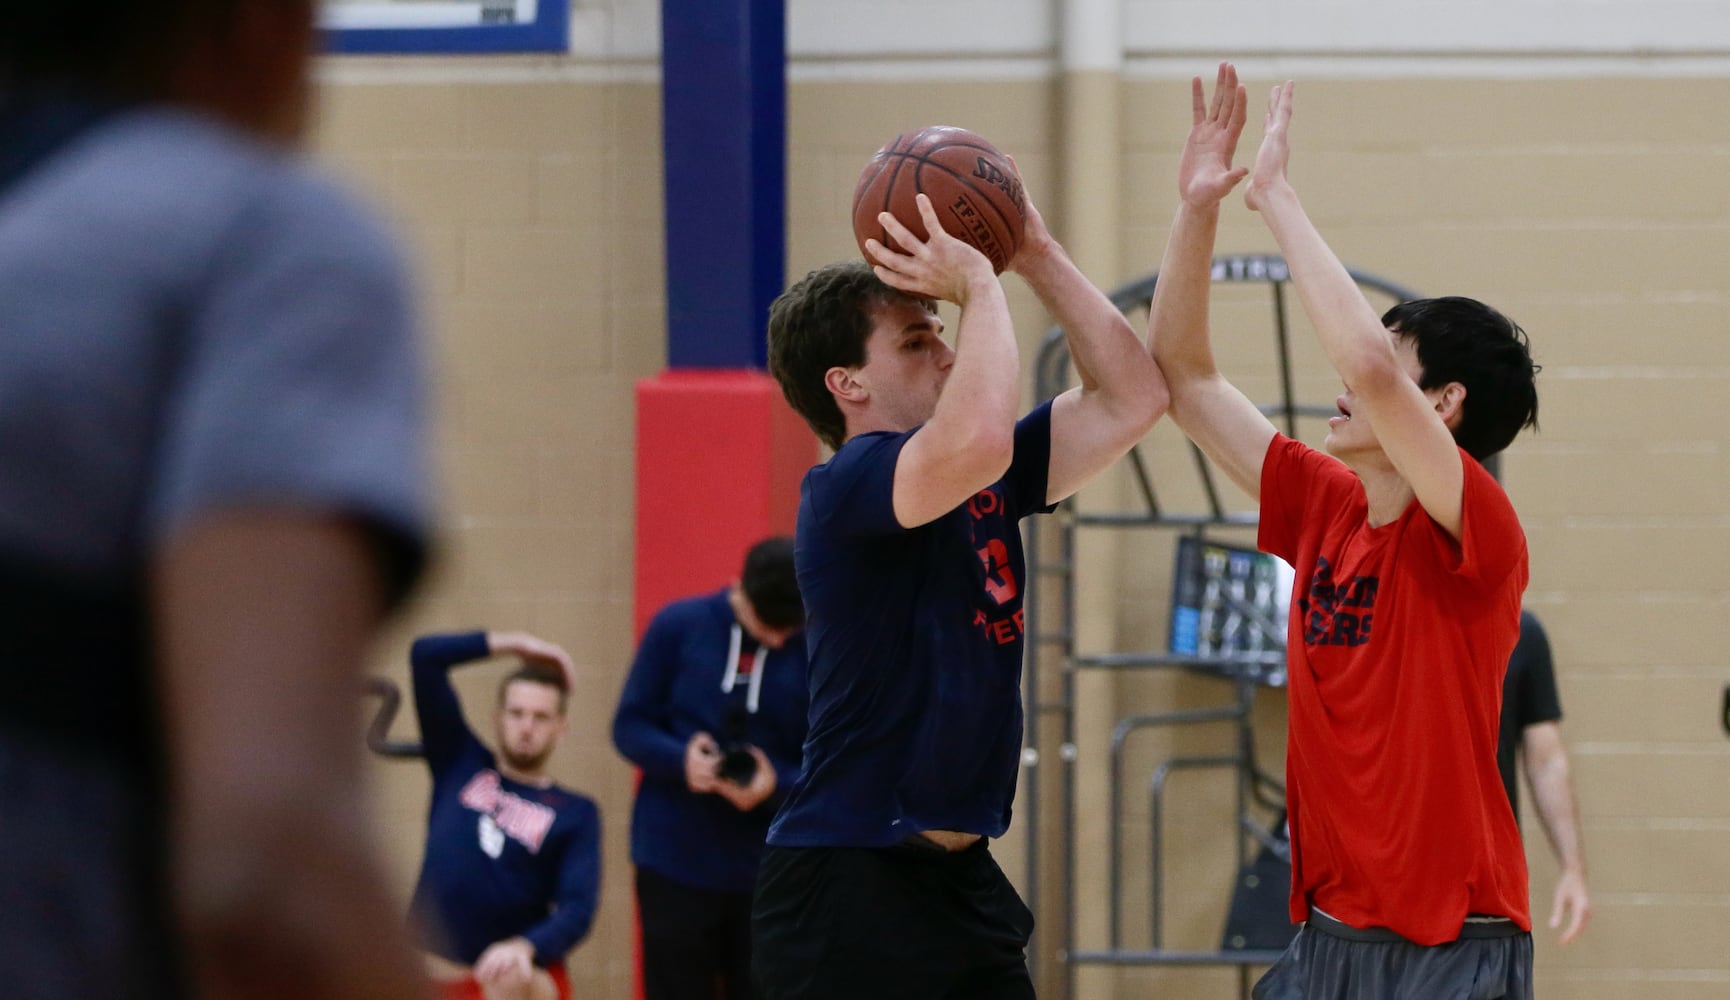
x=972 y=185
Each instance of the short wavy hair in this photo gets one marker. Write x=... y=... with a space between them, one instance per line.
x=822 y=322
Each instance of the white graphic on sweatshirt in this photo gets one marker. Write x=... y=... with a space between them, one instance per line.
x=523 y=821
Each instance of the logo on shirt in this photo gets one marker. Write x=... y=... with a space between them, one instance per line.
x=506 y=813
x=1337 y=613
x=1001 y=584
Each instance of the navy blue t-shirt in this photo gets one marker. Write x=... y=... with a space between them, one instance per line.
x=915 y=640
x=503 y=858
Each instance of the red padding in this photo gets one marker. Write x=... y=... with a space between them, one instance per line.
x=719 y=459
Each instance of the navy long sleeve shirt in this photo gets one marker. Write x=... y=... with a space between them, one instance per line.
x=673 y=692
x=503 y=859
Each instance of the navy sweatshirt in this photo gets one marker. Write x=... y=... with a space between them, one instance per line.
x=674 y=691
x=503 y=859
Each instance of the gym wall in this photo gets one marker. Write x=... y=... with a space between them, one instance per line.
x=1565 y=162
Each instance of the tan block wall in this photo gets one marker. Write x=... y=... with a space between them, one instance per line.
x=1593 y=211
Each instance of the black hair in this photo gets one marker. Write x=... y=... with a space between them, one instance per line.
x=96 y=48
x=770 y=584
x=1463 y=340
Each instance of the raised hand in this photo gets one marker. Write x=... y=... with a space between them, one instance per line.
x=1205 y=174
x=937 y=267
x=1270 y=161
x=535 y=649
x=1036 y=239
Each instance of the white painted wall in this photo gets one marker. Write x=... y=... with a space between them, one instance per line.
x=1172 y=37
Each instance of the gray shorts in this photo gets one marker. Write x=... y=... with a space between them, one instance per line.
x=1329 y=960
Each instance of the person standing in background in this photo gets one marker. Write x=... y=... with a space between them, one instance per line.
x=1531 y=730
x=713 y=712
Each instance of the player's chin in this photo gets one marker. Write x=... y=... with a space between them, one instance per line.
x=523 y=760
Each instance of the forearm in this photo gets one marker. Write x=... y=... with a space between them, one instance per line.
x=1553 y=795
x=1349 y=330
x=275 y=884
x=1177 y=323
x=642 y=731
x=1103 y=347
x=977 y=407
x=574 y=905
x=436 y=707
x=643 y=739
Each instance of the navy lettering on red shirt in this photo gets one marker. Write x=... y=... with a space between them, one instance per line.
x=1327 y=622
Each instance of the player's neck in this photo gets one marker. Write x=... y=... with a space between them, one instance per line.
x=537 y=778
x=1386 y=492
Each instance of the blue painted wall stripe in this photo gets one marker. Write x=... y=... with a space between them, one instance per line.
x=724 y=129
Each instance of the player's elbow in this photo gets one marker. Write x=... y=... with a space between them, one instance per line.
x=986 y=452
x=1374 y=373
x=1147 y=406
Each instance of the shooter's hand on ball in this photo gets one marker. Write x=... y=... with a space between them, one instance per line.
x=1036 y=240
x=941 y=267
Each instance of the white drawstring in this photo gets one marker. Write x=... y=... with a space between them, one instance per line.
x=731 y=677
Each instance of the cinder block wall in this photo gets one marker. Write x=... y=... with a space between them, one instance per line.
x=1593 y=210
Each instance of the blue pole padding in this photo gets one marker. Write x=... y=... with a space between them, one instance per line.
x=724 y=129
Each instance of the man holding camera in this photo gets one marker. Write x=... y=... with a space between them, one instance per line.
x=713 y=712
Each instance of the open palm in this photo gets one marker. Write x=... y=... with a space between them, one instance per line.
x=1205 y=174
x=1271 y=159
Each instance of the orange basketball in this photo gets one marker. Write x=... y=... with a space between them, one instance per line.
x=973 y=187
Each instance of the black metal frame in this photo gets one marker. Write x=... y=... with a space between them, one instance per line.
x=1255 y=788
x=378 y=730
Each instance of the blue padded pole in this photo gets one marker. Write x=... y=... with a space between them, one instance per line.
x=724 y=129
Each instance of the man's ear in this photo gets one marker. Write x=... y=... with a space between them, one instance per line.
x=843 y=386
x=1451 y=404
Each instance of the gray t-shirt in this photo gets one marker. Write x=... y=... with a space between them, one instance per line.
x=189 y=322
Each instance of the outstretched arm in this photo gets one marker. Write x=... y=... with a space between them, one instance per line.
x=969 y=440
x=1546 y=766
x=1219 y=418
x=1407 y=424
x=1121 y=392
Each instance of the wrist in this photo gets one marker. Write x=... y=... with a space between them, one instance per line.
x=1204 y=210
x=1277 y=192
x=1035 y=255
x=976 y=286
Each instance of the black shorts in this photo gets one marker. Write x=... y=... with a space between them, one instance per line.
x=1329 y=960
x=911 y=922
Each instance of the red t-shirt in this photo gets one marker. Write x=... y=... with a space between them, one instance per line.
x=1398 y=639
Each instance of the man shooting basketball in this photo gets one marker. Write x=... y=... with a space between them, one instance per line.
x=877 y=881
x=1407 y=866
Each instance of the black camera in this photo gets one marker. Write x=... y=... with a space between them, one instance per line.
x=738 y=764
